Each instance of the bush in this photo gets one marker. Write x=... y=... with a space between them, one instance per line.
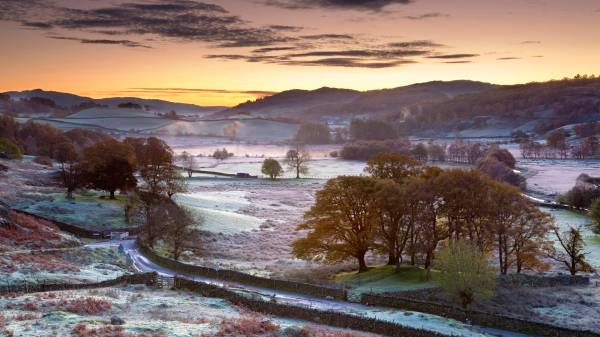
x=363 y=150
x=88 y=305
x=247 y=326
x=9 y=150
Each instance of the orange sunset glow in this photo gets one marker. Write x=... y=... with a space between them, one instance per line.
x=245 y=49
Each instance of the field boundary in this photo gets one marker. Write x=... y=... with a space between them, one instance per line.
x=142 y=278
x=235 y=276
x=476 y=317
x=330 y=318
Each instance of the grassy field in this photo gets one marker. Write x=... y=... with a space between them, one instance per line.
x=382 y=279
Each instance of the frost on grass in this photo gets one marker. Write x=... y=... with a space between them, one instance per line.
x=146 y=312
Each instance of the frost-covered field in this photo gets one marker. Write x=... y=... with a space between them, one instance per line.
x=73 y=265
x=143 y=310
x=93 y=211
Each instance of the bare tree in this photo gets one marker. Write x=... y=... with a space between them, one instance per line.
x=179 y=230
x=70 y=167
x=297 y=160
x=188 y=162
x=573 y=256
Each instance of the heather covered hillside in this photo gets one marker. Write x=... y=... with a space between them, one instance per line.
x=532 y=107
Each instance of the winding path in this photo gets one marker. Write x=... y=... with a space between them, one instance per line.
x=410 y=319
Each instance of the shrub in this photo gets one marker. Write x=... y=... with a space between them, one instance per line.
x=88 y=305
x=30 y=306
x=247 y=326
x=9 y=150
x=81 y=330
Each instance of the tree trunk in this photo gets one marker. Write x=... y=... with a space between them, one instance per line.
x=297 y=171
x=392 y=259
x=69 y=193
x=112 y=195
x=362 y=265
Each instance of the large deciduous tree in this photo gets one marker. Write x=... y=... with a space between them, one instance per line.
x=392 y=165
x=342 y=223
x=156 y=165
x=297 y=160
x=109 y=166
x=271 y=168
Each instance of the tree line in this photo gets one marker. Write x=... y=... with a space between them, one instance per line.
x=406 y=210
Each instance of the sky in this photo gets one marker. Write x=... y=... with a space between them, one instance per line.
x=225 y=52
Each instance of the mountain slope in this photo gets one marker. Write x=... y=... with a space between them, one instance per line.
x=331 y=102
x=532 y=107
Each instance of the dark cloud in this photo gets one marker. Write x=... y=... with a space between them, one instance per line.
x=508 y=58
x=125 y=43
x=36 y=25
x=457 y=62
x=368 y=5
x=537 y=56
x=530 y=42
x=328 y=37
x=384 y=54
x=272 y=49
x=286 y=28
x=120 y=23
x=452 y=56
x=426 y=16
x=415 y=44
x=201 y=90
x=348 y=63
x=183 y=20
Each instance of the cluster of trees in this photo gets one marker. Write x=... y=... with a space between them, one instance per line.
x=222 y=154
x=584 y=193
x=372 y=129
x=313 y=133
x=406 y=210
x=500 y=165
x=111 y=165
x=296 y=159
x=43 y=139
x=364 y=149
x=556 y=147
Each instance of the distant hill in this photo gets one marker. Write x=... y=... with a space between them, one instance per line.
x=533 y=107
x=58 y=104
x=327 y=102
